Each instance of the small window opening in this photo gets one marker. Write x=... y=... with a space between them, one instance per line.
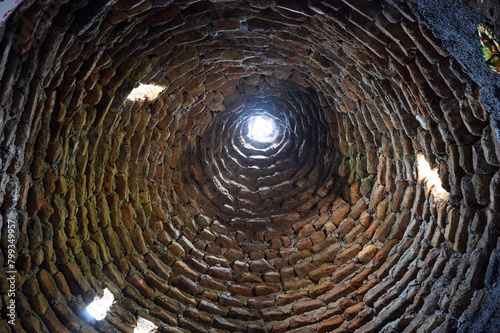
x=100 y=306
x=145 y=326
x=261 y=128
x=429 y=176
x=146 y=91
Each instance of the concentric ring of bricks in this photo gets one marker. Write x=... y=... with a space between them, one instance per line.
x=249 y=189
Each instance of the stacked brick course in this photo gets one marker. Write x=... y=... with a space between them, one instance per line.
x=160 y=200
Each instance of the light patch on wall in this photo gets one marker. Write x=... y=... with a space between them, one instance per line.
x=422 y=122
x=146 y=92
x=430 y=177
x=145 y=326
x=100 y=306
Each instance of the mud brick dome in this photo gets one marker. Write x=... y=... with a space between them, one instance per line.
x=131 y=165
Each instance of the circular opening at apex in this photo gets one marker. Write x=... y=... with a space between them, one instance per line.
x=261 y=128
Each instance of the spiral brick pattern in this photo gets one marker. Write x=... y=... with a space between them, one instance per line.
x=265 y=184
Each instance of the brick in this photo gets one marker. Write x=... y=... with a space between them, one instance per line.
x=299 y=256
x=401 y=224
x=191 y=325
x=327 y=255
x=296 y=285
x=384 y=252
x=385 y=228
x=141 y=285
x=181 y=296
x=181 y=268
x=228 y=301
x=393 y=312
x=77 y=283
x=303 y=268
x=368 y=233
x=47 y=286
x=340 y=214
x=248 y=277
x=241 y=290
x=367 y=253
x=345 y=227
x=252 y=247
x=330 y=324
x=284 y=299
x=184 y=284
x=155 y=282
x=347 y=254
x=462 y=235
x=321 y=288
x=341 y=290
x=343 y=273
x=222 y=273
x=228 y=325
x=323 y=244
x=137 y=238
x=304 y=244
x=157 y=266
x=279 y=328
x=243 y=314
x=452 y=224
x=260 y=266
x=234 y=255
x=307 y=306
x=266 y=289
x=298 y=322
x=274 y=315
x=272 y=277
x=321 y=272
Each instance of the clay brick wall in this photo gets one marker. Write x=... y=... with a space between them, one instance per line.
x=333 y=228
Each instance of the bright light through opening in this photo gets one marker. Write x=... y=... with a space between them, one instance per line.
x=146 y=91
x=429 y=176
x=100 y=306
x=145 y=326
x=261 y=128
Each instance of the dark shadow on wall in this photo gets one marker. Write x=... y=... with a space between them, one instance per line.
x=487 y=318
